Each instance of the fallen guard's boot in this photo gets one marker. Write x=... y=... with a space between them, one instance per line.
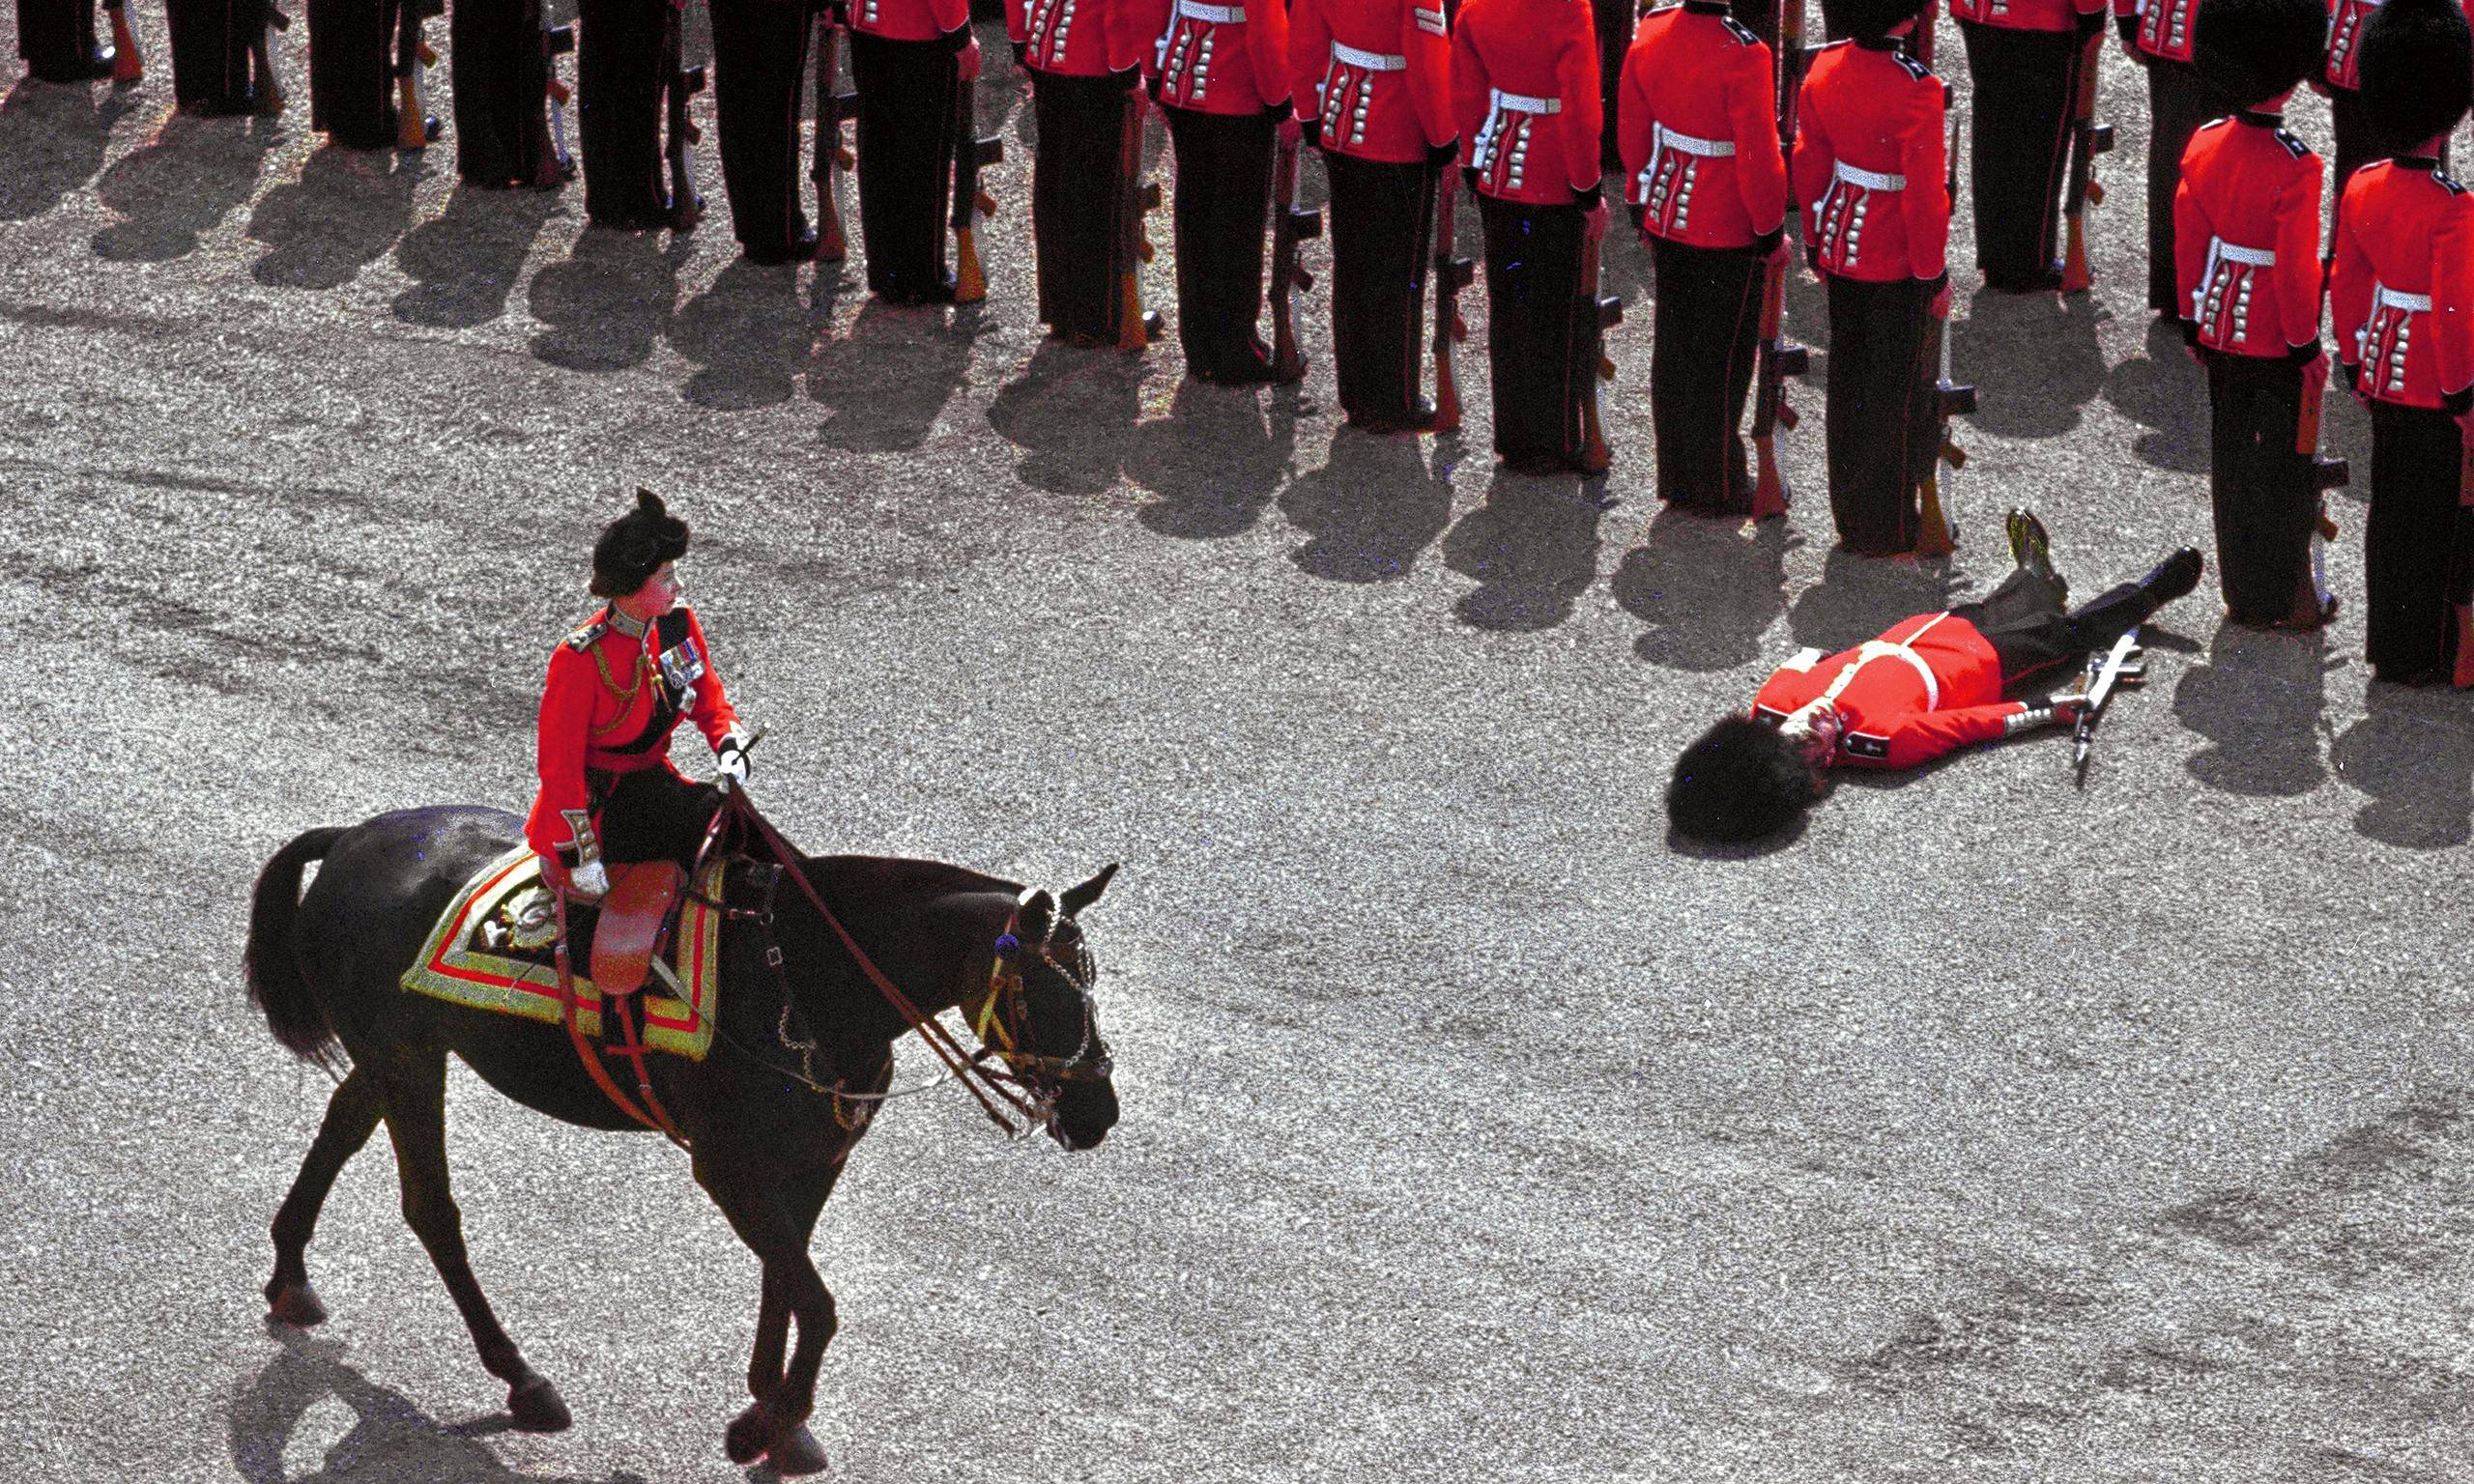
x=632 y=914
x=2032 y=549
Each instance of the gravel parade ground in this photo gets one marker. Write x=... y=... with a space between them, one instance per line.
x=1987 y=1129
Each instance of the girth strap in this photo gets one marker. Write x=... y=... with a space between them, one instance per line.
x=629 y=1044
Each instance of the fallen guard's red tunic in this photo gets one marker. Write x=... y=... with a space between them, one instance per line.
x=610 y=705
x=1930 y=684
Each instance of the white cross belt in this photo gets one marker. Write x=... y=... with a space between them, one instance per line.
x=1369 y=61
x=1870 y=180
x=1515 y=103
x=2396 y=298
x=1216 y=15
x=1687 y=144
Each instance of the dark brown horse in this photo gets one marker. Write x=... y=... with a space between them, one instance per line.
x=766 y=1143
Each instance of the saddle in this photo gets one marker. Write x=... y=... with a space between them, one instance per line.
x=637 y=915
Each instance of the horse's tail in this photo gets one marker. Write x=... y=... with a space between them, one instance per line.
x=271 y=965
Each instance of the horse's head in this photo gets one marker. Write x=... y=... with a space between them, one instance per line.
x=1039 y=1019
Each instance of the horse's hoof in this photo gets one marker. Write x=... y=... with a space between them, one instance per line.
x=538 y=1408
x=294 y=1303
x=750 y=1435
x=798 y=1453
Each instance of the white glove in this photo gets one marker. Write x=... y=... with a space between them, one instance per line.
x=590 y=879
x=730 y=762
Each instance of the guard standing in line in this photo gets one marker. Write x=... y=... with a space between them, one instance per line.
x=2357 y=138
x=1869 y=175
x=58 y=40
x=503 y=74
x=2402 y=307
x=1084 y=57
x=1706 y=185
x=2245 y=239
x=624 y=71
x=2027 y=58
x=1377 y=75
x=360 y=51
x=2158 y=35
x=759 y=64
x=1219 y=74
x=221 y=57
x=909 y=59
x=1525 y=99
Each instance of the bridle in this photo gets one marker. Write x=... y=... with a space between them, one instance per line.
x=1002 y=1022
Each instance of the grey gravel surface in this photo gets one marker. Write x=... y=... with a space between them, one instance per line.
x=1985 y=1128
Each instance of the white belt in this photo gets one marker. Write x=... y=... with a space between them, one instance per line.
x=1371 y=60
x=1516 y=104
x=1879 y=649
x=1665 y=138
x=2412 y=304
x=1216 y=15
x=1870 y=180
x=2223 y=251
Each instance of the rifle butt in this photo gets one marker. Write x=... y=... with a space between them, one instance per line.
x=412 y=132
x=2075 y=278
x=1769 y=485
x=127 y=66
x=1936 y=538
x=970 y=281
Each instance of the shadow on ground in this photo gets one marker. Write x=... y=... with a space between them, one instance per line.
x=1216 y=461
x=1708 y=590
x=1532 y=545
x=465 y=262
x=173 y=189
x=343 y=214
x=1369 y=510
x=52 y=142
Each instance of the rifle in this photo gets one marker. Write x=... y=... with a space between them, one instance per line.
x=262 y=62
x=686 y=206
x=557 y=41
x=1451 y=274
x=1135 y=325
x=2326 y=474
x=1598 y=315
x=1289 y=227
x=2124 y=663
x=972 y=153
x=833 y=245
x=1938 y=537
x=127 y=65
x=2087 y=140
x=415 y=129
x=1778 y=357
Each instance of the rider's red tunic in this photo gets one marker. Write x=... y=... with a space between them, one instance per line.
x=1928 y=685
x=610 y=705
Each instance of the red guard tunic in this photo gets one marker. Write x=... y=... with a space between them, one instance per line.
x=2246 y=238
x=2402 y=300
x=1525 y=97
x=1377 y=73
x=1699 y=140
x=1868 y=166
x=1215 y=58
x=2027 y=15
x=1928 y=685
x=610 y=705
x=2165 y=27
x=1079 y=38
x=909 y=20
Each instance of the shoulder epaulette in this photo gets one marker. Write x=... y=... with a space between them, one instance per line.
x=1914 y=69
x=2215 y=124
x=2447 y=183
x=582 y=639
x=2292 y=146
x=1741 y=32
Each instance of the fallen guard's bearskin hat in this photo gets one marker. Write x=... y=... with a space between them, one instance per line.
x=2248 y=51
x=634 y=546
x=2417 y=72
x=1869 y=20
x=1738 y=781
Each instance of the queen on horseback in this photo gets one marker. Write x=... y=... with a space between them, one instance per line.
x=618 y=687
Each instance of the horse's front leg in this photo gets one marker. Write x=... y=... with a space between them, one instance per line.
x=753 y=1200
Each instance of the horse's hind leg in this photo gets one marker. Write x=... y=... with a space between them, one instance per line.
x=416 y=1122
x=352 y=1113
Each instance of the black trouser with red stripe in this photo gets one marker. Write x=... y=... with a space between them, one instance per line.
x=619 y=93
x=2019 y=140
x=2024 y=621
x=2178 y=103
x=1078 y=204
x=1882 y=424
x=2259 y=485
x=1382 y=236
x=906 y=152
x=2418 y=547
x=57 y=39
x=501 y=78
x=1533 y=315
x=1224 y=199
x=1702 y=351
x=760 y=63
x=353 y=70
x=212 y=69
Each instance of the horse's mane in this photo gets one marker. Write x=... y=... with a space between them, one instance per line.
x=899 y=875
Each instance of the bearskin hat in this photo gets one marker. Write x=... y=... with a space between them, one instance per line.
x=1868 y=19
x=2417 y=72
x=2248 y=51
x=634 y=546
x=1738 y=781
